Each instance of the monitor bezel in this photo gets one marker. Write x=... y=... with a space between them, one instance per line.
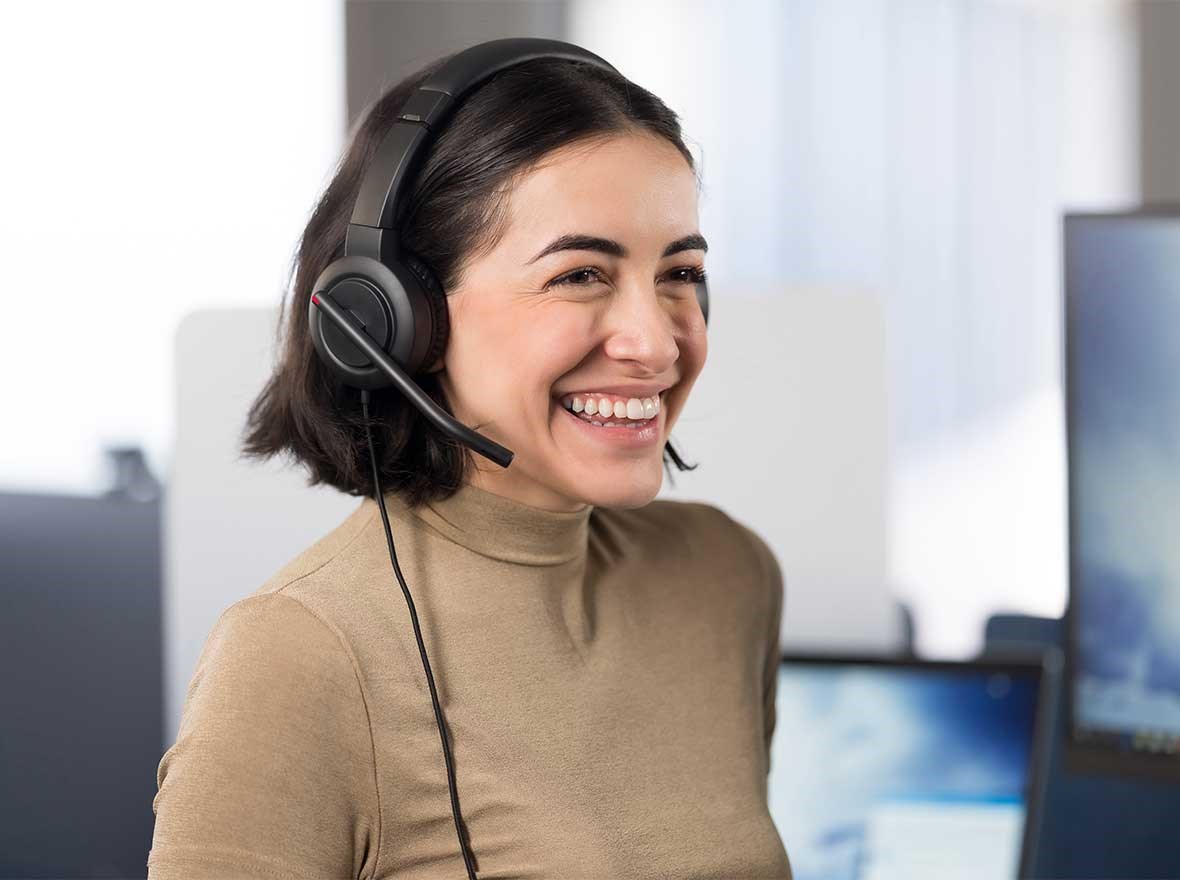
x=1080 y=755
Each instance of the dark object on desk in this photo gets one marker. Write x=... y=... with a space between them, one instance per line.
x=1091 y=825
x=80 y=646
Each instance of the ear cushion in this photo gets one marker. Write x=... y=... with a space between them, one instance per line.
x=436 y=299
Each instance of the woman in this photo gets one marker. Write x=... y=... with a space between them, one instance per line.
x=606 y=662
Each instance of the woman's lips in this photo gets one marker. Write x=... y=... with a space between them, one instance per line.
x=647 y=434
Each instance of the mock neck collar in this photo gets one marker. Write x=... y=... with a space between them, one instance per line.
x=503 y=528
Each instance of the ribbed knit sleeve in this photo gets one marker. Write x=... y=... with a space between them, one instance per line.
x=274 y=745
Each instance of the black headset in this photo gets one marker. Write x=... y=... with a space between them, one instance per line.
x=387 y=313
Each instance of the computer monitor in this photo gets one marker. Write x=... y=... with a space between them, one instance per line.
x=905 y=769
x=1122 y=342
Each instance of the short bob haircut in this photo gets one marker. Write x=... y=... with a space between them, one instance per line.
x=455 y=210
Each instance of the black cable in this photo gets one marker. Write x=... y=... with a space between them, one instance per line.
x=468 y=858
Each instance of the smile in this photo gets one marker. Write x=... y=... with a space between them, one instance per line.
x=587 y=413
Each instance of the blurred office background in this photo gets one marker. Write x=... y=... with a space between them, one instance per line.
x=883 y=178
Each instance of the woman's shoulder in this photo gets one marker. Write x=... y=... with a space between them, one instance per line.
x=269 y=632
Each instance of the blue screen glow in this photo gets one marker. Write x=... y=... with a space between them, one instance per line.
x=901 y=772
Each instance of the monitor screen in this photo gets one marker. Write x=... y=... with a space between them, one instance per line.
x=1123 y=390
x=906 y=770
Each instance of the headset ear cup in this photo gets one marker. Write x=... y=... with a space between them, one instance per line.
x=436 y=299
x=391 y=303
x=359 y=286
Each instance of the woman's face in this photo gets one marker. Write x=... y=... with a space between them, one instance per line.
x=588 y=296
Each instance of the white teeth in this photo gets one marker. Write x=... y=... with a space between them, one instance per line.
x=633 y=409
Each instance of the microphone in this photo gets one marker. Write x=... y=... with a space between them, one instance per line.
x=351 y=327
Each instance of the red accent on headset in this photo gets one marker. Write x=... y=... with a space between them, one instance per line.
x=315 y=299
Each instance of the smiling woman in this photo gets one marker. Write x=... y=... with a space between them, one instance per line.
x=607 y=661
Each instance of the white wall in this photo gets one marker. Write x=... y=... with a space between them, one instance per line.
x=157 y=156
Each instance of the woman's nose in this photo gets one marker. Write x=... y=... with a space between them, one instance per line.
x=643 y=331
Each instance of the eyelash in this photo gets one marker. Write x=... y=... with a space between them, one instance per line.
x=696 y=275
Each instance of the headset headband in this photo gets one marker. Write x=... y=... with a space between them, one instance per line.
x=372 y=229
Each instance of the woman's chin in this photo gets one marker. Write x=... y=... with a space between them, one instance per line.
x=622 y=486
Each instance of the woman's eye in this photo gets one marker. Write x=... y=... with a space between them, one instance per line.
x=688 y=275
x=579 y=277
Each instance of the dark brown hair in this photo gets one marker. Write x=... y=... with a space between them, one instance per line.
x=454 y=211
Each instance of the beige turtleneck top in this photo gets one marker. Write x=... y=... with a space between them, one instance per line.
x=607 y=678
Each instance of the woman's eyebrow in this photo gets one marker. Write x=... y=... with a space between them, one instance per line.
x=580 y=242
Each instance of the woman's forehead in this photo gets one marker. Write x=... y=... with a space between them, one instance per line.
x=636 y=189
